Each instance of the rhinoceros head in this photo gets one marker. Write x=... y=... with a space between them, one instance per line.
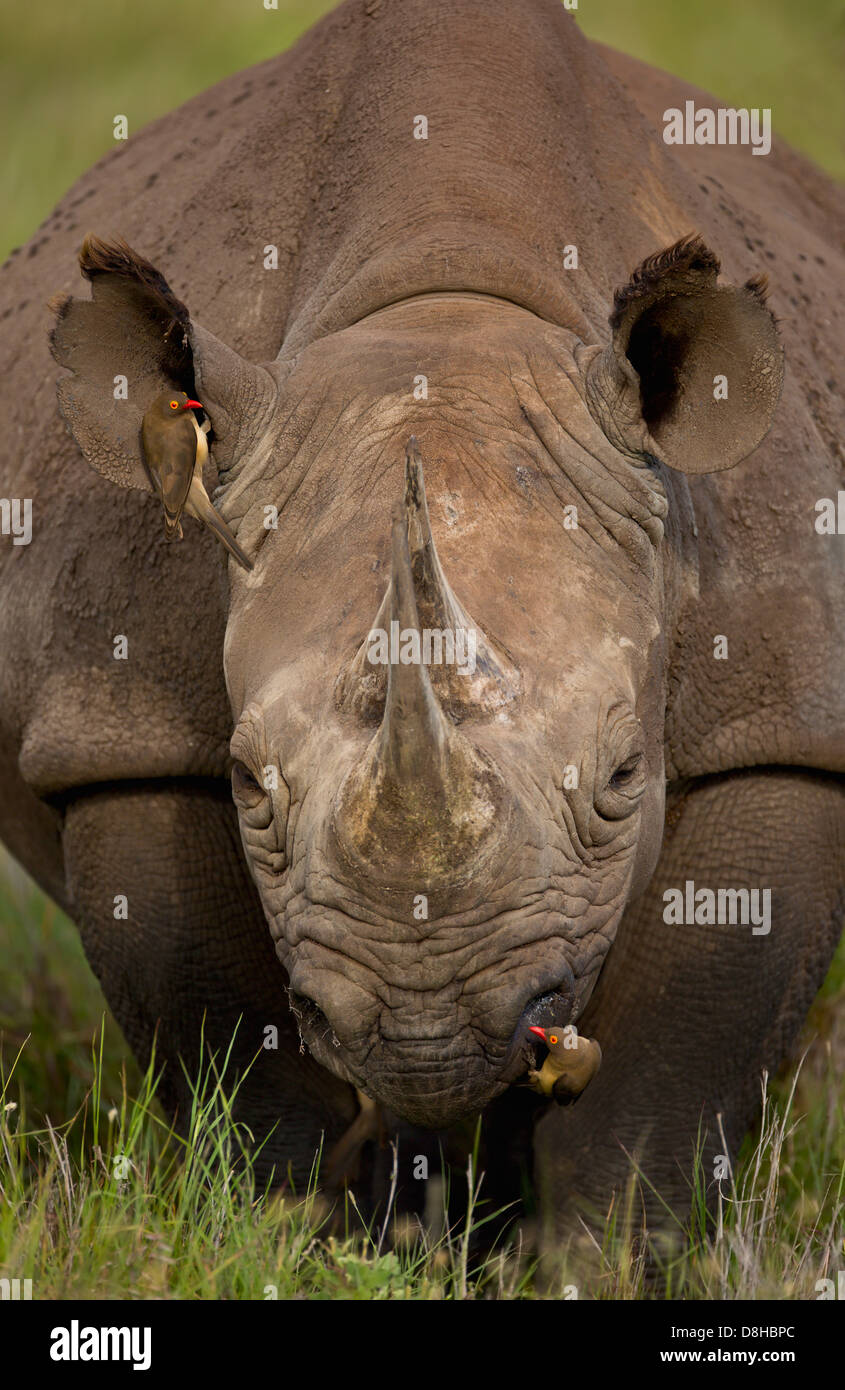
x=447 y=670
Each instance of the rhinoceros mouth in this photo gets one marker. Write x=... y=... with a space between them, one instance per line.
x=553 y=1009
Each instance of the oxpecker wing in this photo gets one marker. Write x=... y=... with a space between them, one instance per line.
x=570 y=1066
x=169 y=438
x=175 y=450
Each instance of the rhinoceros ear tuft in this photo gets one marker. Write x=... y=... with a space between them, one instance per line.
x=694 y=370
x=130 y=342
x=117 y=260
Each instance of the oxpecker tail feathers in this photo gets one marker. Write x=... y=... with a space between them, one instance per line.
x=199 y=506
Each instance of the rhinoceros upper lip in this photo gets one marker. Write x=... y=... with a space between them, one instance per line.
x=553 y=1008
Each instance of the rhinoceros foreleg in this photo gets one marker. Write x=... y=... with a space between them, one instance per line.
x=194 y=953
x=689 y=1014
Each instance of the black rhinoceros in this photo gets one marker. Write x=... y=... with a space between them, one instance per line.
x=455 y=316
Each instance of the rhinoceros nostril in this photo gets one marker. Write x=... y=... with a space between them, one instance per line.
x=309 y=1016
x=550 y=1010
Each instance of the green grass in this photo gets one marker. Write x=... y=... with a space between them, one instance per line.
x=186 y=1221
x=112 y=1204
x=146 y=1214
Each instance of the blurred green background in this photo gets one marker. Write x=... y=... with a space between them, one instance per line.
x=68 y=68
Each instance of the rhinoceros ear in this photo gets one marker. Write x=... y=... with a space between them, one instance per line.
x=694 y=370
x=130 y=342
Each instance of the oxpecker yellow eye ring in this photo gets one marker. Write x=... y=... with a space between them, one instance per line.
x=174 y=405
x=553 y=1037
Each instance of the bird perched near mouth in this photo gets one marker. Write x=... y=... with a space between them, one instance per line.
x=175 y=450
x=571 y=1064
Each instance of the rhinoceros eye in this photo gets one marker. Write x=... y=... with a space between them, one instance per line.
x=246 y=788
x=621 y=794
x=625 y=773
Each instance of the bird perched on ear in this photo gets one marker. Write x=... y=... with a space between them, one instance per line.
x=571 y=1064
x=175 y=449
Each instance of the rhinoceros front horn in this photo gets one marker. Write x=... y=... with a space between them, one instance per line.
x=425 y=804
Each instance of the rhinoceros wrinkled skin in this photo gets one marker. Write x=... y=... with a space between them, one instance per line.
x=426 y=398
